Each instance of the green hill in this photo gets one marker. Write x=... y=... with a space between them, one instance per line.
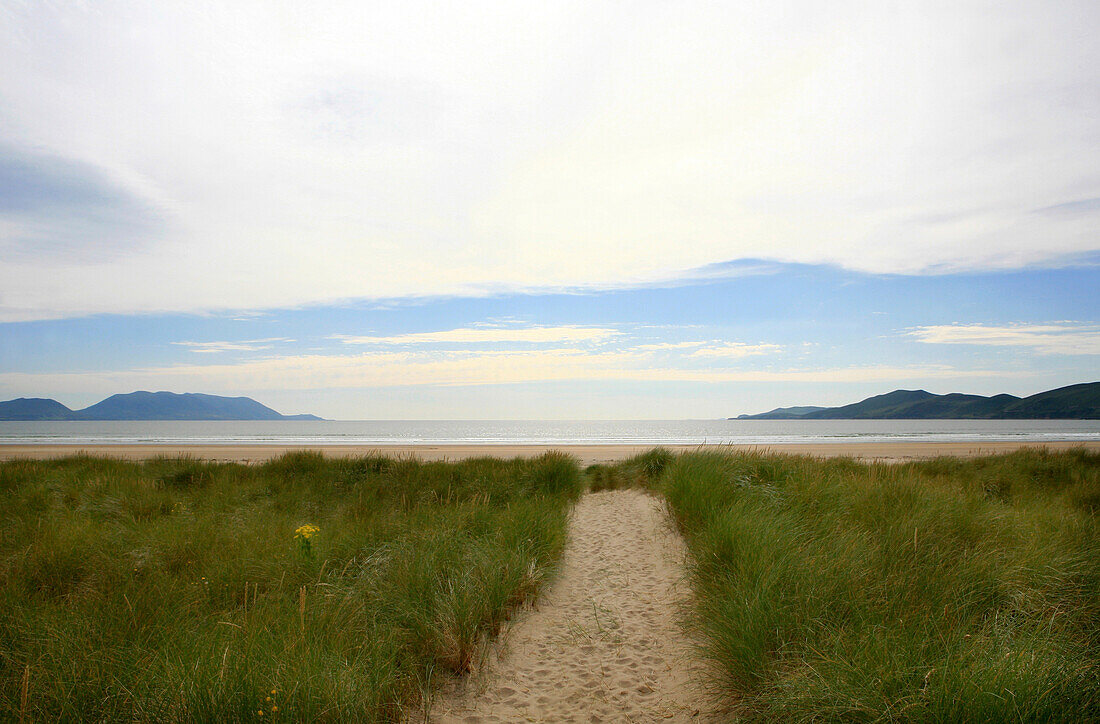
x=1075 y=402
x=34 y=408
x=147 y=406
x=782 y=413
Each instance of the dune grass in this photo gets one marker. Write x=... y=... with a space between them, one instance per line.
x=947 y=590
x=825 y=590
x=643 y=471
x=178 y=590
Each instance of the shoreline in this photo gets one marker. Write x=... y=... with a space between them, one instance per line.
x=587 y=454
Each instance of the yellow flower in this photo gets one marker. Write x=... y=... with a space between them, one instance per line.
x=260 y=712
x=306 y=531
x=303 y=535
x=274 y=709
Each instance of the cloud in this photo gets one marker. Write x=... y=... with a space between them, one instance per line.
x=490 y=334
x=445 y=369
x=1047 y=339
x=1080 y=206
x=63 y=211
x=737 y=350
x=344 y=150
x=247 y=345
x=665 y=346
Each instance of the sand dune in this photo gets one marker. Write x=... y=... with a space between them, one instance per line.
x=603 y=644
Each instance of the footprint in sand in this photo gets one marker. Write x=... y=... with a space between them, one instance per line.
x=604 y=644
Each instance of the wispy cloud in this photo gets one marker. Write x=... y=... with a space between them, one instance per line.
x=450 y=368
x=490 y=334
x=737 y=350
x=666 y=346
x=246 y=345
x=1079 y=206
x=1060 y=338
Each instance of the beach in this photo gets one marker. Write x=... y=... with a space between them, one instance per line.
x=586 y=454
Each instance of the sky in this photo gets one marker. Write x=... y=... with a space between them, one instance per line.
x=552 y=210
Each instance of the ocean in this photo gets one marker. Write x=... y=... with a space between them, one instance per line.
x=554 y=432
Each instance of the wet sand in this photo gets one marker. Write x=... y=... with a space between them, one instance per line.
x=586 y=454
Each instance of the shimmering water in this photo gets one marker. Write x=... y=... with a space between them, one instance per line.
x=645 y=432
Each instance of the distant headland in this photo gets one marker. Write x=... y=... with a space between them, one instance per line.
x=1075 y=402
x=146 y=406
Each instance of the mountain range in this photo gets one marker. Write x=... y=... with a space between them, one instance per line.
x=1075 y=402
x=147 y=406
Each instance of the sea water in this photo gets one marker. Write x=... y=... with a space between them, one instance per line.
x=556 y=432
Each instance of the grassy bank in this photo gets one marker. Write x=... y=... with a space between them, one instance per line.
x=947 y=590
x=178 y=590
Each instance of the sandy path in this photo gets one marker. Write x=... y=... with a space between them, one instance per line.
x=603 y=644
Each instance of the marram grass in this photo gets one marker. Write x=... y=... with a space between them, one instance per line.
x=941 y=591
x=309 y=589
x=303 y=589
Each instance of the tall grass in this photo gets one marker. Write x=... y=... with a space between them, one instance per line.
x=643 y=471
x=176 y=590
x=947 y=590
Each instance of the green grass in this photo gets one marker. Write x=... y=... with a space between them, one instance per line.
x=948 y=590
x=639 y=471
x=176 y=590
x=825 y=590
